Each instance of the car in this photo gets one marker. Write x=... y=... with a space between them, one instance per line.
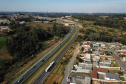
x=42 y=60
x=20 y=79
x=34 y=66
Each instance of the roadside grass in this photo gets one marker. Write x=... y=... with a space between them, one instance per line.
x=47 y=50
x=39 y=70
x=59 y=70
x=2 y=42
x=58 y=73
x=36 y=60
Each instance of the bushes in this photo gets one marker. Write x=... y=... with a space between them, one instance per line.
x=25 y=42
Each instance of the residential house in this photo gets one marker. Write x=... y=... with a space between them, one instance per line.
x=4 y=29
x=80 y=69
x=79 y=79
x=108 y=76
x=94 y=73
x=103 y=45
x=86 y=65
x=111 y=76
x=86 y=57
x=107 y=63
x=95 y=58
x=4 y=21
x=124 y=58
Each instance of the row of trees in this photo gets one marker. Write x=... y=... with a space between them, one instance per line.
x=113 y=21
x=92 y=35
x=25 y=42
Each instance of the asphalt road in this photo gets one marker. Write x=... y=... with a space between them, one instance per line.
x=69 y=67
x=23 y=77
x=44 y=74
x=122 y=64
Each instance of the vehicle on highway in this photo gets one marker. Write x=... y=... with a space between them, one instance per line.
x=42 y=60
x=20 y=79
x=49 y=67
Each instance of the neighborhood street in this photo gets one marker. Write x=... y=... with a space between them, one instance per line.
x=122 y=64
x=69 y=66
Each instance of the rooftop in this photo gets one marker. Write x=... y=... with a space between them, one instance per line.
x=94 y=72
x=112 y=76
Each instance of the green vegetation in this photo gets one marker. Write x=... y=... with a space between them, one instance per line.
x=25 y=42
x=2 y=42
x=82 y=49
x=113 y=21
x=122 y=78
x=46 y=63
x=108 y=28
x=114 y=64
x=83 y=74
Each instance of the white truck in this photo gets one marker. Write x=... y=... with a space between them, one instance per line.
x=50 y=65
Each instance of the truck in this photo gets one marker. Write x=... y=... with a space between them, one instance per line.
x=50 y=65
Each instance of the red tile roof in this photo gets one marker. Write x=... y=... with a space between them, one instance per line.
x=94 y=72
x=86 y=44
x=85 y=52
x=85 y=41
x=124 y=52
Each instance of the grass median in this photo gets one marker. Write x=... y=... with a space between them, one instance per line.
x=33 y=63
x=57 y=72
x=35 y=74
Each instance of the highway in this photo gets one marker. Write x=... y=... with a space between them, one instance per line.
x=44 y=74
x=122 y=64
x=23 y=77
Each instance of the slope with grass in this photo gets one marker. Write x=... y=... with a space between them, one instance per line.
x=2 y=42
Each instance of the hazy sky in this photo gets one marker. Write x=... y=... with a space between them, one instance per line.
x=84 y=6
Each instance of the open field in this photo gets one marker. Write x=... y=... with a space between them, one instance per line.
x=40 y=25
x=4 y=56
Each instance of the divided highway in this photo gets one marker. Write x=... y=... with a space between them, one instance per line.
x=44 y=74
x=23 y=77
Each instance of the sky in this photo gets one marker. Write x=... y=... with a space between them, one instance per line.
x=79 y=6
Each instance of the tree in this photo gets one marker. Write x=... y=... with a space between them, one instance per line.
x=82 y=49
x=55 y=83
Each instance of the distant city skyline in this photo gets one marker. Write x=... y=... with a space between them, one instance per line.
x=79 y=6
